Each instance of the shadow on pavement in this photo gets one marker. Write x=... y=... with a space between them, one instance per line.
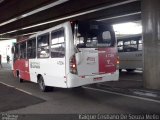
x=11 y=99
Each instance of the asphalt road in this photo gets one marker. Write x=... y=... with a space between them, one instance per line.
x=73 y=101
x=12 y=98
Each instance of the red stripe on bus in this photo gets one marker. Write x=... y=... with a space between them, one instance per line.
x=107 y=60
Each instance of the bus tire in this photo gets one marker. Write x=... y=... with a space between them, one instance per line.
x=19 y=78
x=42 y=85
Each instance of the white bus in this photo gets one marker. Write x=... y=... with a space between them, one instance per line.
x=69 y=55
x=130 y=52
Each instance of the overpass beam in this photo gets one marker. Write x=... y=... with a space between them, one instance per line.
x=151 y=37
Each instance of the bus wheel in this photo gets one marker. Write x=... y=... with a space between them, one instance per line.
x=42 y=85
x=20 y=79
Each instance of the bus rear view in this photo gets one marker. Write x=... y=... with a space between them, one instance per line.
x=95 y=58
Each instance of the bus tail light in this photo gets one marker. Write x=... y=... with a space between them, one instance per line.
x=117 y=62
x=73 y=66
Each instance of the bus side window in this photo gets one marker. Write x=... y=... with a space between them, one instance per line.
x=120 y=46
x=23 y=50
x=16 y=52
x=31 y=48
x=127 y=44
x=140 y=45
x=43 y=46
x=57 y=44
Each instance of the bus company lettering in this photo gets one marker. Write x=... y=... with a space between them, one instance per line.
x=91 y=60
x=109 y=63
x=109 y=55
x=138 y=55
x=35 y=65
x=60 y=63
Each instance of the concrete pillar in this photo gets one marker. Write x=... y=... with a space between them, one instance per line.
x=151 y=38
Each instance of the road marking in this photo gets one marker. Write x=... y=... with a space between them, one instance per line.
x=7 y=84
x=16 y=88
x=23 y=91
x=125 y=95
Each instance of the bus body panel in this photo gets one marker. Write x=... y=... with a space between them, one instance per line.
x=88 y=62
x=70 y=48
x=54 y=76
x=94 y=66
x=130 y=52
x=130 y=60
x=94 y=61
x=54 y=70
x=75 y=81
x=33 y=70
x=22 y=67
x=107 y=60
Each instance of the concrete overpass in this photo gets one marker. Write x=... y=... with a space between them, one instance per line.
x=21 y=17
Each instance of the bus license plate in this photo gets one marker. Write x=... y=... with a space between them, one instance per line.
x=97 y=79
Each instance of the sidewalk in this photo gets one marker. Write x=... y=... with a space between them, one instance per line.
x=131 y=84
x=5 y=66
x=127 y=80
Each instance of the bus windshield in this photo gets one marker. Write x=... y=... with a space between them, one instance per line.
x=93 y=35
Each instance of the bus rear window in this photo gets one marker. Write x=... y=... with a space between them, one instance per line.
x=93 y=35
x=101 y=40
